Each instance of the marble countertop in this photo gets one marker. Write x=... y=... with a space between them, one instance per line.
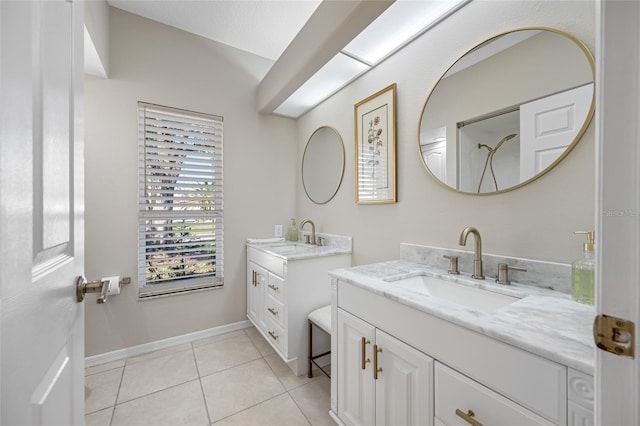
x=544 y=322
x=295 y=250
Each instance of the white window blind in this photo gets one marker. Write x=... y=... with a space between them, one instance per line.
x=180 y=200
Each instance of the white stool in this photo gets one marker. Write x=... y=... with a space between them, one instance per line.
x=321 y=318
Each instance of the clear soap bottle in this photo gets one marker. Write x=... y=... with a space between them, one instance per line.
x=293 y=231
x=583 y=277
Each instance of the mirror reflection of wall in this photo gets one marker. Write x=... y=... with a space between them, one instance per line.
x=534 y=83
x=323 y=165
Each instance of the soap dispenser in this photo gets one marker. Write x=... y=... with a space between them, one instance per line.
x=293 y=231
x=583 y=272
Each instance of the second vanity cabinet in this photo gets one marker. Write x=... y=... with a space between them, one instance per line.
x=282 y=291
x=433 y=372
x=265 y=305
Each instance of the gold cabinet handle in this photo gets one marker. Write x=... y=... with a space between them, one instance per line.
x=254 y=278
x=365 y=360
x=468 y=417
x=376 y=370
x=273 y=311
x=273 y=335
x=273 y=287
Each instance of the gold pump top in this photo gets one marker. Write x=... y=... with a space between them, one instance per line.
x=589 y=245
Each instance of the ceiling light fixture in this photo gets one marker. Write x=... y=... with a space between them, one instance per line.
x=327 y=80
x=397 y=26
x=401 y=23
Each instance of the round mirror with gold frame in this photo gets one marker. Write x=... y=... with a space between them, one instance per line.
x=508 y=111
x=323 y=165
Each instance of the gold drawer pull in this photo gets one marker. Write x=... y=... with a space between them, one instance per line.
x=365 y=360
x=273 y=335
x=273 y=311
x=376 y=370
x=273 y=287
x=468 y=417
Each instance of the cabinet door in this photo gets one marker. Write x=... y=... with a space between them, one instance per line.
x=356 y=396
x=404 y=388
x=256 y=282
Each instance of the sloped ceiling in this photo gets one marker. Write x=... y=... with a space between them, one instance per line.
x=262 y=27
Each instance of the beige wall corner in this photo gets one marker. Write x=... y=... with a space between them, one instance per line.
x=155 y=63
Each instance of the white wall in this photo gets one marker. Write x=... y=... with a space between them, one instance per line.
x=159 y=64
x=536 y=221
x=96 y=22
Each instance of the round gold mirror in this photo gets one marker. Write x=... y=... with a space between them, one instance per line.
x=323 y=165
x=508 y=111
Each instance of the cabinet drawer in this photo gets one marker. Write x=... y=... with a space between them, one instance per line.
x=455 y=391
x=276 y=336
x=275 y=311
x=272 y=263
x=275 y=287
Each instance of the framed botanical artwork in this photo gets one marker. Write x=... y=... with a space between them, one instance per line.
x=375 y=131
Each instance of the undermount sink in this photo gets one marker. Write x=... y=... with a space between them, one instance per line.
x=470 y=297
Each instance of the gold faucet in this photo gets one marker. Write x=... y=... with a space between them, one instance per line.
x=477 y=257
x=313 y=230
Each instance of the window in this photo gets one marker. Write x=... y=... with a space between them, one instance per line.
x=180 y=209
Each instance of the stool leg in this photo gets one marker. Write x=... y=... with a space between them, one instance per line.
x=309 y=374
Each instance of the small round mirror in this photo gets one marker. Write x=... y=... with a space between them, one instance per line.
x=323 y=165
x=508 y=111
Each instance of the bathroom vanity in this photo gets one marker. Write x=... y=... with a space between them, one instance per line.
x=286 y=281
x=414 y=345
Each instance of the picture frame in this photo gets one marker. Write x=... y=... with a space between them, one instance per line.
x=375 y=148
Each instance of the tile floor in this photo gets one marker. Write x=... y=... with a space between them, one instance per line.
x=231 y=379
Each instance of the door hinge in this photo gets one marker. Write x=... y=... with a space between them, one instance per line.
x=615 y=335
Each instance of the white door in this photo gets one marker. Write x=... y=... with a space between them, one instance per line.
x=618 y=204
x=41 y=214
x=549 y=125
x=435 y=157
x=356 y=397
x=404 y=389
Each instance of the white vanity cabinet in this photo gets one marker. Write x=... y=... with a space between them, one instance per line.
x=381 y=380
x=454 y=372
x=282 y=292
x=265 y=307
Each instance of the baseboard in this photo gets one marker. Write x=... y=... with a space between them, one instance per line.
x=335 y=418
x=164 y=343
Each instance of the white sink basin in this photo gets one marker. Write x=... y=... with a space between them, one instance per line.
x=470 y=297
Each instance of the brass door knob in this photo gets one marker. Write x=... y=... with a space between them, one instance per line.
x=83 y=287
